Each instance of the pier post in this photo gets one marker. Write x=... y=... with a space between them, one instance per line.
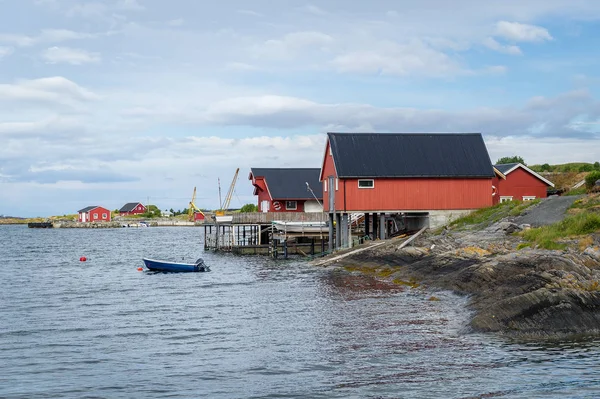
x=382 y=227
x=285 y=249
x=331 y=227
x=344 y=231
x=338 y=235
x=367 y=224
x=374 y=226
x=312 y=246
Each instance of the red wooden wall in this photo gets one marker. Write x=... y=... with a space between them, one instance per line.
x=263 y=195
x=407 y=193
x=520 y=183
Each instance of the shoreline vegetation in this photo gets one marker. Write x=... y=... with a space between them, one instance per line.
x=523 y=282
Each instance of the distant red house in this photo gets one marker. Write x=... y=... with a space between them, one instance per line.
x=287 y=189
x=94 y=214
x=521 y=183
x=132 y=208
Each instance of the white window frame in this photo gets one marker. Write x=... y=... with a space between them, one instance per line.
x=325 y=186
x=290 y=208
x=95 y=216
x=505 y=198
x=104 y=216
x=336 y=184
x=364 y=180
x=330 y=153
x=529 y=197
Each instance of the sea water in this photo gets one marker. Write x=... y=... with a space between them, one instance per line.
x=251 y=328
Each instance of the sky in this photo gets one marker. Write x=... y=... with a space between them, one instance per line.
x=115 y=101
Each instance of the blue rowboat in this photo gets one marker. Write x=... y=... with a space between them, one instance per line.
x=174 y=267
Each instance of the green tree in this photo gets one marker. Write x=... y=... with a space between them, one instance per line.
x=152 y=211
x=586 y=168
x=596 y=165
x=546 y=168
x=513 y=159
x=249 y=208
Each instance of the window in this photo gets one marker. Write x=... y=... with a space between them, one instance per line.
x=336 y=184
x=325 y=185
x=104 y=216
x=528 y=197
x=330 y=153
x=291 y=205
x=95 y=216
x=505 y=199
x=366 y=184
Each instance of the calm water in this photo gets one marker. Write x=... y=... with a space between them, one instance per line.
x=252 y=328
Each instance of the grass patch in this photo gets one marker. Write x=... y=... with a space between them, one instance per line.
x=577 y=191
x=589 y=202
x=523 y=245
x=492 y=214
x=572 y=226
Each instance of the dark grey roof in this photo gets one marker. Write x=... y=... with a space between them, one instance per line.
x=505 y=167
x=291 y=183
x=128 y=207
x=88 y=208
x=410 y=155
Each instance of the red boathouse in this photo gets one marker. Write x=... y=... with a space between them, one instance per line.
x=521 y=183
x=439 y=176
x=94 y=214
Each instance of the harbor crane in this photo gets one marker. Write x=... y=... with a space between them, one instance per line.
x=193 y=209
x=225 y=205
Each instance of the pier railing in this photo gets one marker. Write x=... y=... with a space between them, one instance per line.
x=268 y=217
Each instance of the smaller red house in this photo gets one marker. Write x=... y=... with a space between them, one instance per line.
x=521 y=183
x=94 y=214
x=287 y=189
x=132 y=208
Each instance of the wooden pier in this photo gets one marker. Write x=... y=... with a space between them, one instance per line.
x=256 y=234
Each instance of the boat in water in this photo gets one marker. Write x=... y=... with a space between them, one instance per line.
x=301 y=227
x=175 y=267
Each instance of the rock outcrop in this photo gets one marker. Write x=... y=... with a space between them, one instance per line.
x=527 y=293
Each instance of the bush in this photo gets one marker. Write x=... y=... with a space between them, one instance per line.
x=590 y=179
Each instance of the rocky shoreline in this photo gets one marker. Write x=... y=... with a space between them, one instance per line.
x=523 y=293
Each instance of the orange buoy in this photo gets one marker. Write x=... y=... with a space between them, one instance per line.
x=140 y=269
x=82 y=259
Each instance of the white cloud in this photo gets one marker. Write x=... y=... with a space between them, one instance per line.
x=388 y=58
x=522 y=32
x=87 y=10
x=176 y=22
x=133 y=5
x=5 y=51
x=312 y=9
x=293 y=44
x=55 y=89
x=45 y=36
x=57 y=55
x=492 y=44
x=250 y=12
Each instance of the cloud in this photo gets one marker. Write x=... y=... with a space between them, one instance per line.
x=540 y=116
x=45 y=36
x=293 y=44
x=250 y=13
x=57 y=89
x=132 y=5
x=176 y=22
x=492 y=44
x=389 y=58
x=522 y=32
x=312 y=9
x=57 y=55
x=87 y=10
x=5 y=51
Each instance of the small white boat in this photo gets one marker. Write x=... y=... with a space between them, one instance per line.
x=301 y=227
